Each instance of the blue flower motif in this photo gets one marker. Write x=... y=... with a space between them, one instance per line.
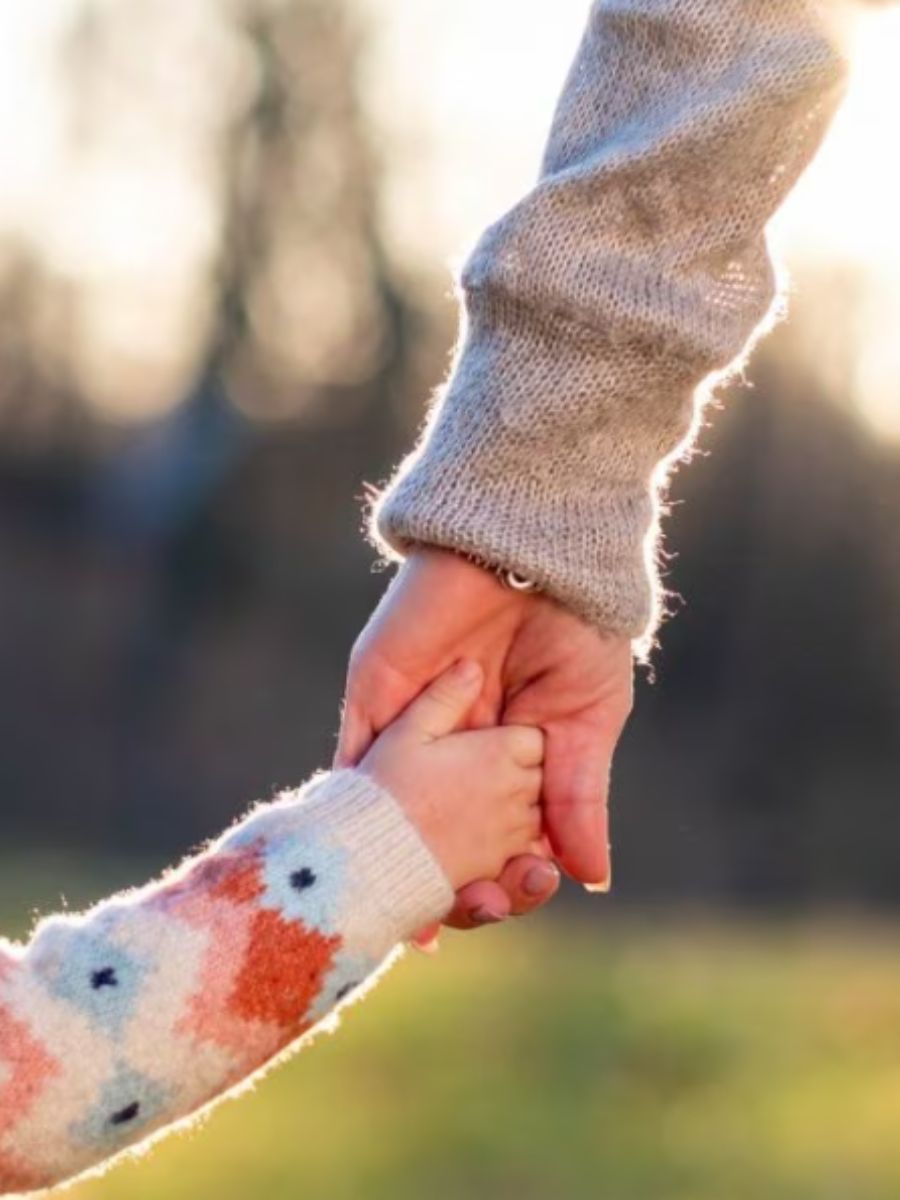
x=304 y=880
x=129 y=1101
x=96 y=976
x=347 y=973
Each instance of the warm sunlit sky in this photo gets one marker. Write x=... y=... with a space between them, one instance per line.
x=463 y=95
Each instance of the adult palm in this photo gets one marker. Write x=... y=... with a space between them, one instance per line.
x=542 y=666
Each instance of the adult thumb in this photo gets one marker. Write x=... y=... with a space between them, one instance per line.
x=444 y=705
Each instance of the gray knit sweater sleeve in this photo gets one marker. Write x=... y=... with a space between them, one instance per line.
x=596 y=308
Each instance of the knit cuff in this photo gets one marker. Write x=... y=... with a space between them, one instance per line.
x=527 y=465
x=398 y=886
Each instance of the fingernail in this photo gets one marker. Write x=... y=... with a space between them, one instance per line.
x=485 y=916
x=603 y=886
x=540 y=880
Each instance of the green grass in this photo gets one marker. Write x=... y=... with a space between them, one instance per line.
x=615 y=1061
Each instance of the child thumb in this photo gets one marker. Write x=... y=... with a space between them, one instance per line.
x=445 y=703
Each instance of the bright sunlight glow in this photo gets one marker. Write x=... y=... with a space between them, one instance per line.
x=461 y=96
x=847 y=206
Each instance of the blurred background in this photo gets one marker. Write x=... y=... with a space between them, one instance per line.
x=227 y=230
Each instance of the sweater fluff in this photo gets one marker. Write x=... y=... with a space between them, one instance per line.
x=145 y=1010
x=634 y=271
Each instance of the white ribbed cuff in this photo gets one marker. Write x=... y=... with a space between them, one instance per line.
x=401 y=885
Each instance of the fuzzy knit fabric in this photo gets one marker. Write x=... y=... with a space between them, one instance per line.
x=120 y=1022
x=634 y=271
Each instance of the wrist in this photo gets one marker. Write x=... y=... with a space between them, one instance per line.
x=508 y=578
x=479 y=579
x=396 y=884
x=410 y=800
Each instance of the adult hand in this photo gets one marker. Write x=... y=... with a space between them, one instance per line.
x=542 y=667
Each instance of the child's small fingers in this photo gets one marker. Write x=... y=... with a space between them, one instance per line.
x=504 y=748
x=525 y=832
x=525 y=787
x=525 y=743
x=541 y=845
x=533 y=824
x=442 y=707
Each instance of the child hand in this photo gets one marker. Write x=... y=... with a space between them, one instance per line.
x=473 y=796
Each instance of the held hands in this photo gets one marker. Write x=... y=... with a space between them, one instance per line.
x=472 y=796
x=541 y=666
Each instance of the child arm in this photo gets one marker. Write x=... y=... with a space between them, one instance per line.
x=128 y=1019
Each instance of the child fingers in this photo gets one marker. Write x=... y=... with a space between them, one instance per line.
x=525 y=830
x=527 y=784
x=541 y=847
x=442 y=707
x=525 y=744
x=509 y=748
x=534 y=818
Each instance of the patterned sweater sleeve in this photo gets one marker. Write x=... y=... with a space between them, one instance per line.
x=635 y=269
x=119 y=1023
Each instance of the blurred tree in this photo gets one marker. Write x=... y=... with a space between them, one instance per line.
x=204 y=351
x=228 y=497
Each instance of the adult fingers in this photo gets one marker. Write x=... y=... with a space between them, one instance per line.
x=577 y=766
x=526 y=883
x=477 y=904
x=356 y=736
x=529 y=882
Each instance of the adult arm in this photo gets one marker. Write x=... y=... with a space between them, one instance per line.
x=595 y=310
x=594 y=313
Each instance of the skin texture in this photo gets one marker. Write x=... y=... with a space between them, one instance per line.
x=473 y=796
x=541 y=666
